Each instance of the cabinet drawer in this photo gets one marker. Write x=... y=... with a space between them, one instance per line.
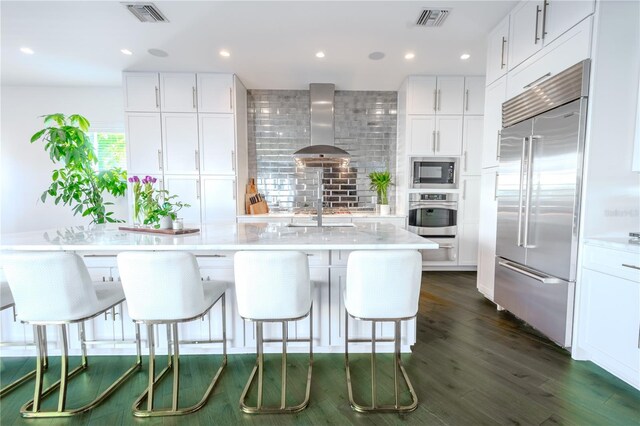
x=612 y=262
x=220 y=259
x=317 y=257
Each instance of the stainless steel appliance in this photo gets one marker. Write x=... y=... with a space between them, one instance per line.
x=540 y=173
x=435 y=216
x=431 y=172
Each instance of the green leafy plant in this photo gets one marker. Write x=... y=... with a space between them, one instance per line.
x=76 y=183
x=380 y=182
x=151 y=204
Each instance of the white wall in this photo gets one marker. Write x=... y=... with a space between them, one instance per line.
x=25 y=168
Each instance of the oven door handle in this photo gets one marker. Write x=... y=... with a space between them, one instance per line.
x=426 y=205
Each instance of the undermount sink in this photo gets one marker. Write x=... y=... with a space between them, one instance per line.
x=324 y=225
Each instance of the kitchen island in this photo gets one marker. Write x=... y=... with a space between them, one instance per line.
x=327 y=249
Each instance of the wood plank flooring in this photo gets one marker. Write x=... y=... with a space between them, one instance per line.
x=471 y=365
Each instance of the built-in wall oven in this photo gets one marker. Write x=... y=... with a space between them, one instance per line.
x=435 y=216
x=434 y=172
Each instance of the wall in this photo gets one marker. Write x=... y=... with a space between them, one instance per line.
x=25 y=169
x=365 y=126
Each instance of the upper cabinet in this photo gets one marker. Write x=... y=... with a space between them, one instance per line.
x=217 y=147
x=472 y=135
x=435 y=95
x=474 y=95
x=535 y=24
x=497 y=51
x=496 y=94
x=215 y=93
x=178 y=92
x=141 y=91
x=144 y=143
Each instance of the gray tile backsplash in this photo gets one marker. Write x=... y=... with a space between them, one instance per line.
x=365 y=126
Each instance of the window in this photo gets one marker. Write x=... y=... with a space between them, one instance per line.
x=110 y=148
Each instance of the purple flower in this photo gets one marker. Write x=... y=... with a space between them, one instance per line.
x=130 y=180
x=154 y=180
x=144 y=181
x=136 y=179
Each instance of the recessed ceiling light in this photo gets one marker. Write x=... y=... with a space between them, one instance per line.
x=126 y=51
x=465 y=56
x=158 y=52
x=376 y=56
x=26 y=50
x=410 y=55
x=320 y=54
x=225 y=53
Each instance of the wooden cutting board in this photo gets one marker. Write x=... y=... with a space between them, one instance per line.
x=160 y=231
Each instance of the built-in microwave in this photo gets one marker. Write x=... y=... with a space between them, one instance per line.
x=434 y=172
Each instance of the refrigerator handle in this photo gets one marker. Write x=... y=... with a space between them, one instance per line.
x=520 y=188
x=527 y=201
x=544 y=279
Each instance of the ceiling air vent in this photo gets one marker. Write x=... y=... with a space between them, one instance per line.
x=432 y=17
x=146 y=12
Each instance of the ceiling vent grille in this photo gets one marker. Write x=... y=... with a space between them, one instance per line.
x=432 y=17
x=146 y=12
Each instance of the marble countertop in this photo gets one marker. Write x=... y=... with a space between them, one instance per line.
x=332 y=216
x=223 y=236
x=615 y=243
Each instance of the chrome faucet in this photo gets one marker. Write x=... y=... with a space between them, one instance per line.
x=320 y=191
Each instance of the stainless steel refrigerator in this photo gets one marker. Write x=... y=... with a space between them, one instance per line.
x=539 y=184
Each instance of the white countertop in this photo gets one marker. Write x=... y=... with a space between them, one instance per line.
x=614 y=243
x=223 y=236
x=346 y=216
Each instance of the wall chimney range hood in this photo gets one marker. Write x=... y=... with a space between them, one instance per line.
x=322 y=150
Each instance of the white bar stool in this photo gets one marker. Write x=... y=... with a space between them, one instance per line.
x=166 y=288
x=54 y=288
x=382 y=286
x=273 y=287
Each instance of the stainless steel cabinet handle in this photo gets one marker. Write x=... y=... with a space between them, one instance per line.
x=445 y=246
x=439 y=99
x=631 y=266
x=498 y=146
x=466 y=100
x=231 y=98
x=438 y=140
x=160 y=159
x=198 y=189
x=433 y=140
x=234 y=190
x=197 y=157
x=233 y=161
x=465 y=160
x=524 y=147
x=157 y=98
x=536 y=80
x=502 y=64
x=194 y=97
x=211 y=255
x=545 y=279
x=536 y=38
x=435 y=99
x=528 y=193
x=464 y=189
x=545 y=4
x=495 y=188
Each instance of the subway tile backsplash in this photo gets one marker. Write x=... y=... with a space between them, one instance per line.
x=365 y=126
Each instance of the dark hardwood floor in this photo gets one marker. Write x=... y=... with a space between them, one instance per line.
x=471 y=365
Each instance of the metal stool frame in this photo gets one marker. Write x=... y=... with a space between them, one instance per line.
x=174 y=363
x=375 y=407
x=259 y=408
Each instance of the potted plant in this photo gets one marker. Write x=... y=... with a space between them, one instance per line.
x=76 y=183
x=153 y=207
x=380 y=182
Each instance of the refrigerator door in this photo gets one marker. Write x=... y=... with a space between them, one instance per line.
x=543 y=301
x=511 y=188
x=552 y=202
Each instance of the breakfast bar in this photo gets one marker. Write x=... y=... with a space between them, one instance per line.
x=327 y=249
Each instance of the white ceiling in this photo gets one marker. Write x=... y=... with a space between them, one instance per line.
x=272 y=44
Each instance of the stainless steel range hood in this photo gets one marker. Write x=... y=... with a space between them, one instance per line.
x=322 y=150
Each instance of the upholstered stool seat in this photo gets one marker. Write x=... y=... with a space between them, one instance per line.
x=54 y=288
x=382 y=285
x=273 y=286
x=166 y=288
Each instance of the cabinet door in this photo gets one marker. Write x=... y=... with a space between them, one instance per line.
x=562 y=15
x=497 y=49
x=144 y=143
x=525 y=32
x=421 y=95
x=474 y=88
x=468 y=244
x=487 y=231
x=218 y=199
x=187 y=188
x=469 y=219
x=141 y=92
x=448 y=135
x=217 y=143
x=422 y=135
x=450 y=95
x=178 y=92
x=180 y=134
x=495 y=96
x=472 y=134
x=215 y=93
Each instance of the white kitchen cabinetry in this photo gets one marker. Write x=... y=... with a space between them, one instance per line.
x=448 y=135
x=474 y=95
x=422 y=135
x=496 y=94
x=188 y=190
x=180 y=135
x=215 y=93
x=141 y=91
x=435 y=135
x=450 y=95
x=569 y=49
x=563 y=15
x=421 y=95
x=487 y=231
x=468 y=220
x=218 y=199
x=178 y=92
x=609 y=310
x=217 y=143
x=497 y=51
x=144 y=143
x=472 y=134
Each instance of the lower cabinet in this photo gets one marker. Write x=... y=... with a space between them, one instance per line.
x=468 y=221
x=487 y=232
x=188 y=190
